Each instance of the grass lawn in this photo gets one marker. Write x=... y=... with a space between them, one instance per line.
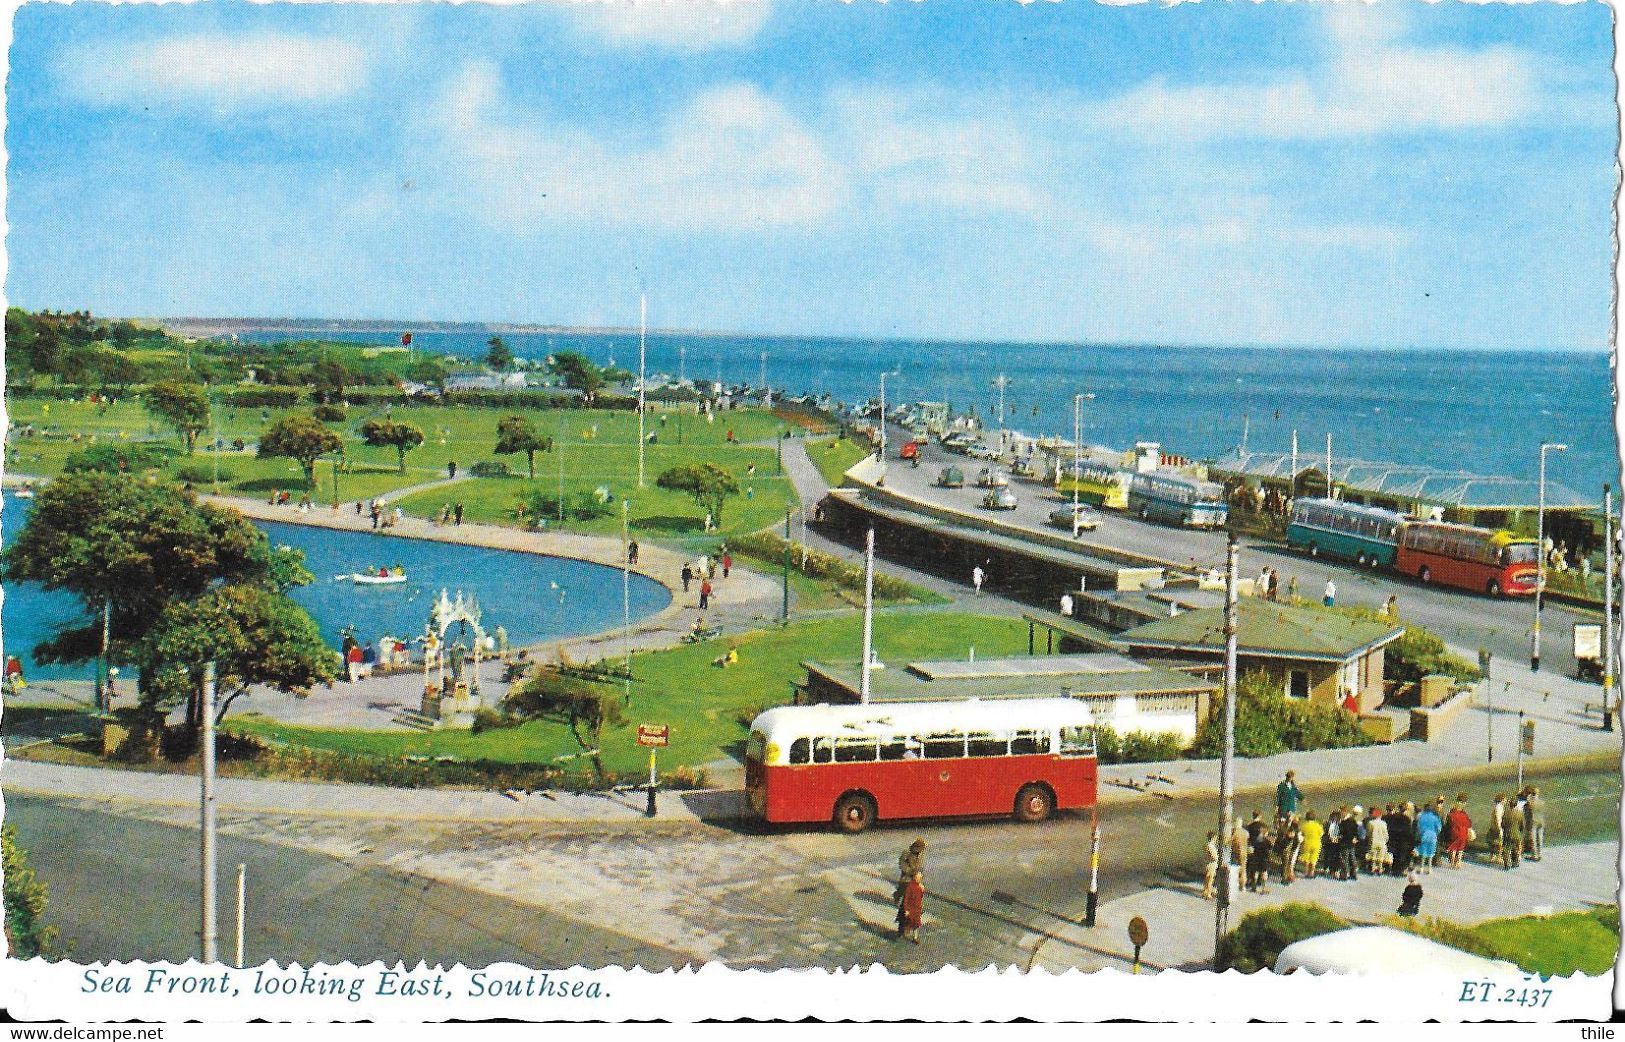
x=681 y=688
x=835 y=456
x=1570 y=942
x=598 y=448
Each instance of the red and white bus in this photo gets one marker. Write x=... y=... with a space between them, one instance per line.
x=855 y=764
x=1474 y=559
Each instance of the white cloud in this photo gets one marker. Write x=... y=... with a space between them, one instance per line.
x=218 y=71
x=683 y=25
x=1373 y=86
x=732 y=158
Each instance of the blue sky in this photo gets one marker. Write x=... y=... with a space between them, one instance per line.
x=1395 y=174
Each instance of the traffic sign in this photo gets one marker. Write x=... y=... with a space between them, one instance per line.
x=654 y=734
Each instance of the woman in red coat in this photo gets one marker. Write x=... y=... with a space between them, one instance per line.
x=1458 y=828
x=913 y=909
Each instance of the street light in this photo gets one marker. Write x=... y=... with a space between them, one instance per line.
x=894 y=372
x=1540 y=554
x=1077 y=451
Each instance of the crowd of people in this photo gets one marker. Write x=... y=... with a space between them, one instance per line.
x=1404 y=839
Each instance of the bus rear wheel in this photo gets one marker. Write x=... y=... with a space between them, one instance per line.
x=1359 y=558
x=854 y=812
x=1425 y=574
x=1314 y=550
x=1494 y=588
x=1034 y=803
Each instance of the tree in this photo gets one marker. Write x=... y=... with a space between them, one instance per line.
x=578 y=372
x=499 y=357
x=254 y=634
x=328 y=413
x=518 y=434
x=403 y=436
x=134 y=548
x=708 y=483
x=183 y=406
x=584 y=707
x=427 y=371
x=328 y=380
x=302 y=437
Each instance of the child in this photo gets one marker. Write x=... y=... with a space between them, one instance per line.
x=912 y=912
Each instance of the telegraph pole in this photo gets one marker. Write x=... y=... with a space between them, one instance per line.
x=1227 y=794
x=1608 y=609
x=643 y=328
x=868 y=613
x=785 y=614
x=207 y=815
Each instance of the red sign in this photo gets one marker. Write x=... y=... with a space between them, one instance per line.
x=654 y=734
x=406 y=339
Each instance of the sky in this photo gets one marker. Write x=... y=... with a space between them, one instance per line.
x=1386 y=175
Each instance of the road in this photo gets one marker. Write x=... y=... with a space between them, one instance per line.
x=1462 y=619
x=123 y=884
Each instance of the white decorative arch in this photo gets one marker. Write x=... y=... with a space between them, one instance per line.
x=451 y=697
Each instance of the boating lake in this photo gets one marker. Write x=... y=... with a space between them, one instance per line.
x=535 y=598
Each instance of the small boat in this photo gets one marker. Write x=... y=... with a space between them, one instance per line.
x=24 y=493
x=372 y=580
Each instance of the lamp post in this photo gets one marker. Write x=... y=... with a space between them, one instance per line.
x=643 y=328
x=1227 y=797
x=893 y=372
x=1540 y=554
x=1077 y=451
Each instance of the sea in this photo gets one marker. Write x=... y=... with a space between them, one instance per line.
x=1483 y=412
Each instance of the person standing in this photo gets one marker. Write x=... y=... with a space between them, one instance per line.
x=977 y=578
x=1066 y=605
x=1534 y=822
x=912 y=914
x=1497 y=824
x=1275 y=585
x=910 y=863
x=702 y=567
x=1376 y=856
x=632 y=552
x=451 y=469
x=1428 y=827
x=457 y=512
x=1258 y=853
x=1210 y=872
x=1329 y=599
x=1238 y=849
x=1458 y=831
x=705 y=594
x=1287 y=796
x=1287 y=839
x=727 y=563
x=1309 y=855
x=688 y=576
x=1511 y=837
x=1402 y=837
x=1292 y=588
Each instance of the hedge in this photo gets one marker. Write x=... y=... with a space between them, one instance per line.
x=1136 y=746
x=1268 y=723
x=769 y=548
x=1258 y=939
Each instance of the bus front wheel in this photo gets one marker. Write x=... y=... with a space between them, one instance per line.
x=1359 y=559
x=1426 y=574
x=1494 y=588
x=854 y=812
x=1034 y=803
x=1314 y=551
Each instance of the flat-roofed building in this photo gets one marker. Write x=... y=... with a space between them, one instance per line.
x=1123 y=694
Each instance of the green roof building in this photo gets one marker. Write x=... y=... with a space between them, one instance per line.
x=1314 y=653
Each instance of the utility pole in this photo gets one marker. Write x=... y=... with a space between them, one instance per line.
x=868 y=613
x=643 y=328
x=1540 y=554
x=1002 y=382
x=206 y=756
x=1292 y=478
x=626 y=601
x=1608 y=609
x=104 y=693
x=1227 y=794
x=1077 y=454
x=242 y=894
x=1330 y=488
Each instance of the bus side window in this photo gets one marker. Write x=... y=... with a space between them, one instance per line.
x=855 y=750
x=985 y=743
x=896 y=749
x=800 y=750
x=823 y=750
x=944 y=746
x=1029 y=743
x=1077 y=740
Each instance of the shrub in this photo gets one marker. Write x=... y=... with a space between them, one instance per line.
x=1419 y=653
x=115 y=459
x=25 y=900
x=579 y=506
x=494 y=468
x=1257 y=940
x=687 y=778
x=1448 y=933
x=328 y=413
x=769 y=548
x=1268 y=723
x=262 y=397
x=200 y=474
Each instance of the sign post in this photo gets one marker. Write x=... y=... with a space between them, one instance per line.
x=1138 y=934
x=653 y=736
x=1489 y=706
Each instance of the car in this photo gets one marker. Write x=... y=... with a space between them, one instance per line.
x=982 y=450
x=957 y=440
x=990 y=477
x=1079 y=517
x=951 y=477
x=999 y=499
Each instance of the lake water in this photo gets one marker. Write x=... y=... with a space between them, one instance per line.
x=534 y=598
x=1481 y=411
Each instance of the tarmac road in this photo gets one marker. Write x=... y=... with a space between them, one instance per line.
x=1466 y=620
x=123 y=885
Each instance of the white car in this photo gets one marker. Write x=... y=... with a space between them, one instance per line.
x=999 y=499
x=982 y=450
x=1080 y=517
x=991 y=477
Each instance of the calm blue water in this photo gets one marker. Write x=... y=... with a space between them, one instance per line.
x=1485 y=412
x=535 y=598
